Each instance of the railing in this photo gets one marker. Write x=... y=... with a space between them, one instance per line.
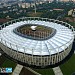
x=39 y=19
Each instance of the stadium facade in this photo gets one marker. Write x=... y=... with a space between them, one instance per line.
x=38 y=52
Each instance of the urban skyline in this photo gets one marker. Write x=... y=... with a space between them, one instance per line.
x=37 y=0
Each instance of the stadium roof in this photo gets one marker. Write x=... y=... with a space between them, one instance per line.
x=60 y=41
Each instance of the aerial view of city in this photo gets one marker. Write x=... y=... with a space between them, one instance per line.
x=37 y=37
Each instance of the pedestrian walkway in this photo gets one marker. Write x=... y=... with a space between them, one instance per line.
x=17 y=70
x=57 y=71
x=36 y=73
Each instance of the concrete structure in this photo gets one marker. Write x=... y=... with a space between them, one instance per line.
x=37 y=52
x=17 y=70
x=36 y=73
x=71 y=13
x=57 y=71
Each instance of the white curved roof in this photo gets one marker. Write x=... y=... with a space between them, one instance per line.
x=60 y=41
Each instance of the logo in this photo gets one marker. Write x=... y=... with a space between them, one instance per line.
x=8 y=70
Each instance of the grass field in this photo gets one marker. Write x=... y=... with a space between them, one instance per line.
x=69 y=67
x=25 y=71
x=32 y=14
x=45 y=71
x=2 y=60
x=8 y=63
x=72 y=23
x=38 y=28
x=39 y=32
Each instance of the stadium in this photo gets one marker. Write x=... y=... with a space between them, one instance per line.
x=36 y=41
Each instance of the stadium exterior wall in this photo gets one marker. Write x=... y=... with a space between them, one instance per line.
x=36 y=60
x=32 y=59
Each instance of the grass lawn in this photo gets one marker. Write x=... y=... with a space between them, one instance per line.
x=72 y=23
x=2 y=59
x=69 y=67
x=38 y=28
x=32 y=14
x=9 y=63
x=45 y=71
